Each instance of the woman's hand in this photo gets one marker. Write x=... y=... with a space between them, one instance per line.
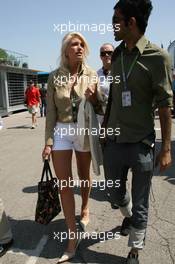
x=46 y=152
x=91 y=94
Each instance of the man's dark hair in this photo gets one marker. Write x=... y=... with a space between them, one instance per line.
x=140 y=9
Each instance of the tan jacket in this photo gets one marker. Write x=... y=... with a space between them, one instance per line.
x=87 y=119
x=58 y=97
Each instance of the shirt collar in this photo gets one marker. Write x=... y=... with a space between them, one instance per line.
x=140 y=45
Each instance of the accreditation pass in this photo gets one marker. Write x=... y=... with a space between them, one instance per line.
x=126 y=98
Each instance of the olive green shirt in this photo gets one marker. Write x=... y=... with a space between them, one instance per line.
x=149 y=84
x=59 y=106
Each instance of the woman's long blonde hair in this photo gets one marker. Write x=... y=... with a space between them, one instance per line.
x=65 y=43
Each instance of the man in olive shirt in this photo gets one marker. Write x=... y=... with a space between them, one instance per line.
x=145 y=85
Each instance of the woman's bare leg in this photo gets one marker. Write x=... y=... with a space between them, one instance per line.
x=33 y=119
x=62 y=164
x=83 y=167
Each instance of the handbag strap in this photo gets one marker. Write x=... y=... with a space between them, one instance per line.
x=47 y=171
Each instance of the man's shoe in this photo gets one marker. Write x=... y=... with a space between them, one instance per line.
x=126 y=226
x=132 y=258
x=4 y=247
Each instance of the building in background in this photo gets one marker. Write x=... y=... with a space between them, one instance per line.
x=171 y=50
x=43 y=77
x=12 y=58
x=13 y=82
x=14 y=78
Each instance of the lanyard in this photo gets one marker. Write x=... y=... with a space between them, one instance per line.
x=125 y=78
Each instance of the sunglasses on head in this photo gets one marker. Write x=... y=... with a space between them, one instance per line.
x=104 y=53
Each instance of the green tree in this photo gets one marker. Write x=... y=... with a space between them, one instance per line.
x=3 y=55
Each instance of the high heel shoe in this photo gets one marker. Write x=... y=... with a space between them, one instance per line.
x=66 y=256
x=69 y=255
x=83 y=224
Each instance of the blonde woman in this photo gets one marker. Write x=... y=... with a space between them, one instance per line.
x=67 y=86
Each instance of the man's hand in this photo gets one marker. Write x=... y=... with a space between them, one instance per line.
x=164 y=157
x=164 y=160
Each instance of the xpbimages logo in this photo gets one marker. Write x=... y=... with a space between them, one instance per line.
x=83 y=27
x=102 y=236
x=63 y=80
x=101 y=185
x=101 y=132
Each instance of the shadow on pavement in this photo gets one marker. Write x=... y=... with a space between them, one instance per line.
x=31 y=189
x=20 y=127
x=97 y=193
x=27 y=234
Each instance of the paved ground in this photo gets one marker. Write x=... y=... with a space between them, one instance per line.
x=20 y=169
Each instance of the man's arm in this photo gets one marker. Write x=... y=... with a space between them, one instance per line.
x=164 y=156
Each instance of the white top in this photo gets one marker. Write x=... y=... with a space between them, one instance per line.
x=104 y=82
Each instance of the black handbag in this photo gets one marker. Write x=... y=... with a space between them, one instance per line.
x=48 y=203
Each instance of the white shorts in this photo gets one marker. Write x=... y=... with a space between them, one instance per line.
x=33 y=109
x=66 y=137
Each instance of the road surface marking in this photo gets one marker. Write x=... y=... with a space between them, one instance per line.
x=36 y=252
